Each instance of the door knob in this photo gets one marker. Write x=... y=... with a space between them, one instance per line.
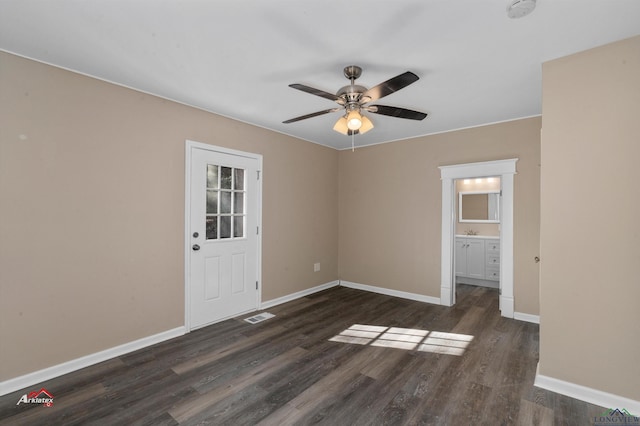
x=195 y=247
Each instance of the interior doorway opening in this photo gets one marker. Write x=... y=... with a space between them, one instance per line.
x=505 y=170
x=477 y=231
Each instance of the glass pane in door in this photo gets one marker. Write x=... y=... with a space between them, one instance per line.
x=225 y=203
x=212 y=227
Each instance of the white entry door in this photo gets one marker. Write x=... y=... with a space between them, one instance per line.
x=223 y=211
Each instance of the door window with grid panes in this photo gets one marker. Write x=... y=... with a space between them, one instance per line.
x=225 y=202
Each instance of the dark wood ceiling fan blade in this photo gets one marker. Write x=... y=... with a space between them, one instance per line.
x=317 y=92
x=313 y=114
x=396 y=112
x=388 y=87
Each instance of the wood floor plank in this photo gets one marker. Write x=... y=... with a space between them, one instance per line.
x=234 y=410
x=338 y=357
x=379 y=397
x=346 y=404
x=212 y=356
x=302 y=377
x=358 y=365
x=188 y=408
x=532 y=414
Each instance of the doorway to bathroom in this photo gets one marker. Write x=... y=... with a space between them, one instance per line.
x=505 y=170
x=477 y=231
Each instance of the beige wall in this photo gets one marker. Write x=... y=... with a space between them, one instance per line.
x=390 y=207
x=590 y=320
x=92 y=212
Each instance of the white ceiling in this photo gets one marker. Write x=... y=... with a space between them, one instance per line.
x=237 y=57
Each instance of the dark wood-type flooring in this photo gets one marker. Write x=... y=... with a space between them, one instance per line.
x=408 y=363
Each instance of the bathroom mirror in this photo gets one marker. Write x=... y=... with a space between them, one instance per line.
x=479 y=207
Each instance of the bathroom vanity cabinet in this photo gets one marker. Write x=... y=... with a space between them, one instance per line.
x=470 y=257
x=478 y=260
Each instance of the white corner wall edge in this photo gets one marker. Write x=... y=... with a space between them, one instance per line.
x=389 y=292
x=297 y=295
x=526 y=317
x=583 y=393
x=49 y=373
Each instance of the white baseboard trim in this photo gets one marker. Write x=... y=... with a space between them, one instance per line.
x=583 y=393
x=527 y=317
x=506 y=306
x=389 y=292
x=49 y=373
x=297 y=295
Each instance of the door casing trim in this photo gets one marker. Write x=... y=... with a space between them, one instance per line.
x=189 y=145
x=505 y=169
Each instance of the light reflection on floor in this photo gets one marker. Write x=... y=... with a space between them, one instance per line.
x=405 y=338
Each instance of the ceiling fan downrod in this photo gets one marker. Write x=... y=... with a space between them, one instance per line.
x=352 y=93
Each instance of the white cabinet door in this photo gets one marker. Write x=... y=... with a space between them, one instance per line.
x=461 y=256
x=470 y=257
x=475 y=258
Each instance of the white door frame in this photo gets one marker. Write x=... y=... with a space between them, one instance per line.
x=505 y=169
x=187 y=214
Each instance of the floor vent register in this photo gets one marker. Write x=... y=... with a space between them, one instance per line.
x=259 y=318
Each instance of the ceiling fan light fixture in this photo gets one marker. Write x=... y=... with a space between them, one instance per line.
x=354 y=120
x=341 y=126
x=366 y=125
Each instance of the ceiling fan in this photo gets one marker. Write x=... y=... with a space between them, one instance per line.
x=354 y=99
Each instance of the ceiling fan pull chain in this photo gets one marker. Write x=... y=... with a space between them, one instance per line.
x=353 y=149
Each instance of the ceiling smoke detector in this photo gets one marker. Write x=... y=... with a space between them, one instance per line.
x=520 y=8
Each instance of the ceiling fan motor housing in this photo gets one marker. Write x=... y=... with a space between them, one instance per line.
x=351 y=93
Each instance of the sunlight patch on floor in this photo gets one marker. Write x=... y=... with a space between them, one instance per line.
x=405 y=338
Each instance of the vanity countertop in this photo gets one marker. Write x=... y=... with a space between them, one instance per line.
x=484 y=237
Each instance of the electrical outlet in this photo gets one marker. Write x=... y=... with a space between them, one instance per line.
x=316 y=267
